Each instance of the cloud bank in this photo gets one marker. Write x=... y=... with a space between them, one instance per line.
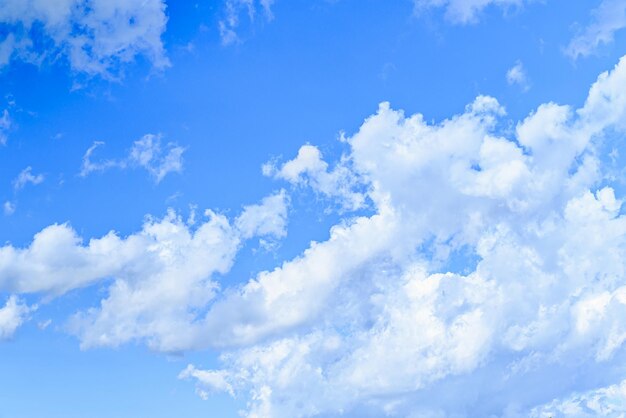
x=482 y=273
x=12 y=315
x=377 y=321
x=166 y=269
x=25 y=177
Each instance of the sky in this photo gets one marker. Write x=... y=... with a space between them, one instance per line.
x=312 y=208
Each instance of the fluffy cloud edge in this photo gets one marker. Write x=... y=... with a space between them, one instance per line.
x=315 y=334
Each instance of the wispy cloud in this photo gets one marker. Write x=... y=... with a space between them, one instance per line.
x=147 y=153
x=9 y=208
x=25 y=177
x=464 y=11
x=607 y=19
x=233 y=12
x=516 y=75
x=94 y=36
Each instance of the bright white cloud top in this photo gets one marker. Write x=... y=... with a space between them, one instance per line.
x=370 y=321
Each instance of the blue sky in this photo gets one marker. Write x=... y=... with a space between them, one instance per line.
x=272 y=208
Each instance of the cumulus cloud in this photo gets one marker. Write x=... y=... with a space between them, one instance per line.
x=162 y=276
x=95 y=37
x=25 y=177
x=464 y=11
x=608 y=18
x=12 y=315
x=374 y=321
x=309 y=169
x=215 y=380
x=517 y=75
x=234 y=10
x=147 y=153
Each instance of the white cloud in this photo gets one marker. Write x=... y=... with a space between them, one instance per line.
x=603 y=402
x=517 y=75
x=213 y=380
x=464 y=11
x=234 y=9
x=368 y=323
x=159 y=295
x=147 y=152
x=89 y=166
x=9 y=208
x=5 y=125
x=309 y=169
x=94 y=36
x=12 y=315
x=159 y=291
x=42 y=325
x=608 y=18
x=377 y=319
x=267 y=218
x=25 y=177
x=162 y=276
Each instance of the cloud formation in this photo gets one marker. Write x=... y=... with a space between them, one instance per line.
x=608 y=18
x=147 y=152
x=308 y=169
x=375 y=321
x=5 y=125
x=12 y=315
x=94 y=37
x=25 y=177
x=8 y=208
x=481 y=269
x=162 y=276
x=517 y=75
